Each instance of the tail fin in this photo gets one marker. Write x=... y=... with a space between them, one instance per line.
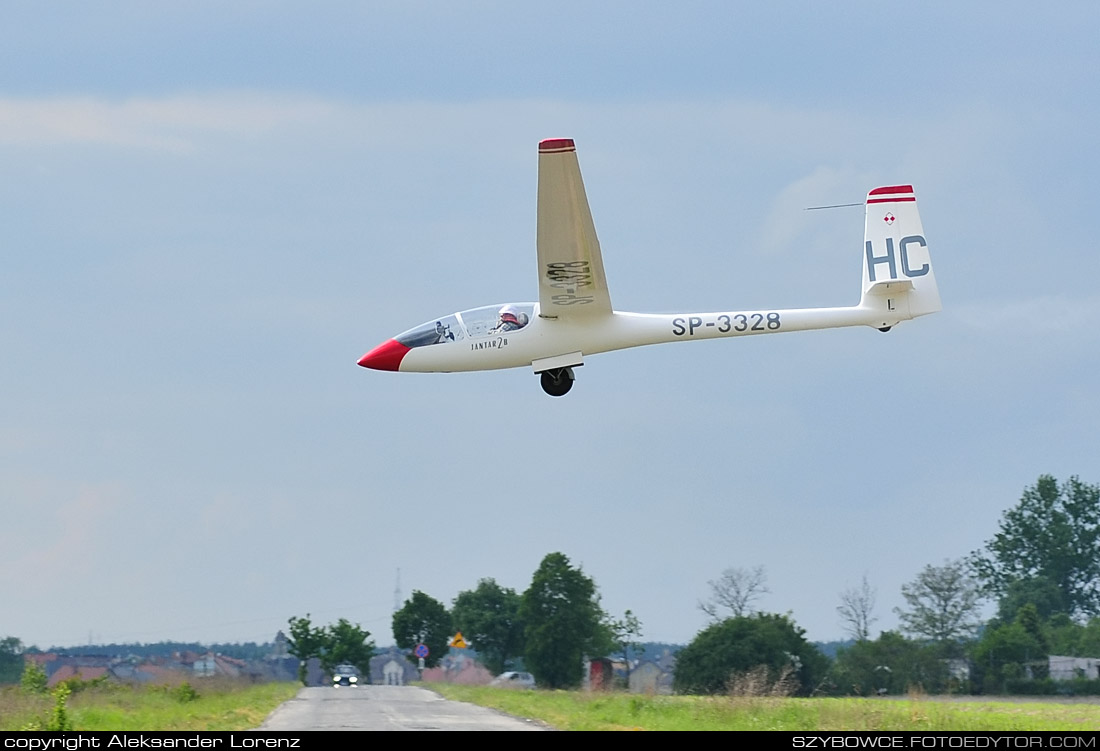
x=898 y=282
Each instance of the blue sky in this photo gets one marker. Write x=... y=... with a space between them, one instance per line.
x=210 y=214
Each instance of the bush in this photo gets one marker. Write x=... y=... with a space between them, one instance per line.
x=745 y=643
x=184 y=693
x=760 y=681
x=890 y=665
x=59 y=716
x=34 y=680
x=77 y=684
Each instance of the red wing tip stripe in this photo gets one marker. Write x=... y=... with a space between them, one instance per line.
x=551 y=145
x=892 y=194
x=892 y=190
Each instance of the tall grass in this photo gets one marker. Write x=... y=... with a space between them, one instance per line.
x=571 y=710
x=207 y=704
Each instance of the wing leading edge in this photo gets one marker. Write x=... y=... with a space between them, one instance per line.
x=571 y=276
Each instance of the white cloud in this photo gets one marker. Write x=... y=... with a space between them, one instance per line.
x=51 y=554
x=165 y=124
x=1036 y=315
x=789 y=218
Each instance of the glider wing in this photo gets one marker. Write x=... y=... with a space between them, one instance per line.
x=571 y=276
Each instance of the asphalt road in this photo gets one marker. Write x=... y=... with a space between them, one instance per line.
x=385 y=708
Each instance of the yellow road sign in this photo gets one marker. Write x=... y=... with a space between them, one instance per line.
x=458 y=641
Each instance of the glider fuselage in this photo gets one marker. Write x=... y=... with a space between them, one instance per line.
x=574 y=318
x=543 y=338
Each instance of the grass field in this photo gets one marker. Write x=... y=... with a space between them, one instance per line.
x=568 y=710
x=214 y=705
x=226 y=705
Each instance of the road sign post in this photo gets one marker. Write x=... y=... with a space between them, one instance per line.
x=421 y=652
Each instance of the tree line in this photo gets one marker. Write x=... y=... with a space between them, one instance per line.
x=548 y=629
x=1041 y=569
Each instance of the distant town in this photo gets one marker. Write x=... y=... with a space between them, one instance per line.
x=651 y=666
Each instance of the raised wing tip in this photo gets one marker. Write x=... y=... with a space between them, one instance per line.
x=552 y=145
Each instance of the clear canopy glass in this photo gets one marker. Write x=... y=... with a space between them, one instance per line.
x=490 y=320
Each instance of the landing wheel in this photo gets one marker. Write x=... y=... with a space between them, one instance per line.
x=884 y=329
x=557 y=382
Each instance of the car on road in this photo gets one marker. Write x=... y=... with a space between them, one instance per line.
x=514 y=679
x=345 y=675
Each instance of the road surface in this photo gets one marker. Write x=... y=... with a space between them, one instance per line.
x=385 y=708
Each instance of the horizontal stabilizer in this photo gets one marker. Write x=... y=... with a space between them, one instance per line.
x=889 y=288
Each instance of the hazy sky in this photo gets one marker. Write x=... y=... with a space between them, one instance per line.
x=210 y=213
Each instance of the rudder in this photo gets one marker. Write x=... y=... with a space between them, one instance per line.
x=898 y=281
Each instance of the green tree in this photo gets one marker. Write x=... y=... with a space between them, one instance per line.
x=626 y=634
x=1077 y=640
x=305 y=642
x=1066 y=637
x=743 y=644
x=488 y=618
x=1051 y=537
x=11 y=659
x=1029 y=620
x=346 y=642
x=943 y=604
x=890 y=664
x=1004 y=654
x=1040 y=592
x=424 y=620
x=1089 y=643
x=563 y=622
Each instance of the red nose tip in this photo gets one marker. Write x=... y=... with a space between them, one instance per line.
x=386 y=356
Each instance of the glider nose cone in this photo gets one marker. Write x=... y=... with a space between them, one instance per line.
x=386 y=356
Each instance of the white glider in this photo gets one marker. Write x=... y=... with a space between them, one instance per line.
x=573 y=317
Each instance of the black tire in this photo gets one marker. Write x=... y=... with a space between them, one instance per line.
x=556 y=382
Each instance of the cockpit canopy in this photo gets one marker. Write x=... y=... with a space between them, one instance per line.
x=490 y=320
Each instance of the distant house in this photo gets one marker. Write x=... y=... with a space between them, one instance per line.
x=1068 y=668
x=210 y=664
x=647 y=677
x=84 y=673
x=599 y=674
x=64 y=667
x=461 y=669
x=128 y=671
x=279 y=664
x=205 y=666
x=280 y=648
x=174 y=667
x=392 y=668
x=165 y=669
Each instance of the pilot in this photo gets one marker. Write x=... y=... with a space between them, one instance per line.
x=510 y=318
x=442 y=332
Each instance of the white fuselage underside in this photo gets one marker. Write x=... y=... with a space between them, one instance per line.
x=545 y=338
